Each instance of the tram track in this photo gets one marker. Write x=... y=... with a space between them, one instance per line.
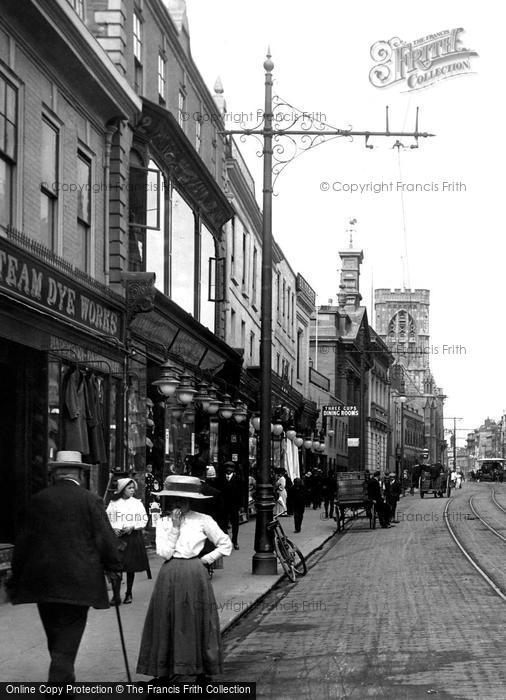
x=487 y=577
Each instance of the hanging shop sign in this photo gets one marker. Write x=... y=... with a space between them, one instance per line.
x=353 y=442
x=25 y=277
x=339 y=411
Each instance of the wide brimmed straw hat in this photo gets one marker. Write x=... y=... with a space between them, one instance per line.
x=182 y=486
x=68 y=459
x=123 y=483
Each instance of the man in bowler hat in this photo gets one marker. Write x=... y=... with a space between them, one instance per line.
x=232 y=492
x=60 y=559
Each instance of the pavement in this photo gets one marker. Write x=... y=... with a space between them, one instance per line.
x=23 y=653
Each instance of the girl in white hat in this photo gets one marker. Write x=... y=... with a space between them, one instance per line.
x=128 y=518
x=181 y=633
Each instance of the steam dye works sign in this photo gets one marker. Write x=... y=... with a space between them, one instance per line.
x=23 y=276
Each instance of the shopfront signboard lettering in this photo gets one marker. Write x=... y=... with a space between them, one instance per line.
x=23 y=276
x=339 y=411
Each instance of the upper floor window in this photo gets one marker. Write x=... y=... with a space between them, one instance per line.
x=161 y=76
x=181 y=109
x=198 y=135
x=78 y=6
x=8 y=143
x=137 y=46
x=83 y=212
x=244 y=257
x=254 y=277
x=299 y=353
x=49 y=153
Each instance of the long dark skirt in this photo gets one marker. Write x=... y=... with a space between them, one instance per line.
x=182 y=631
x=133 y=557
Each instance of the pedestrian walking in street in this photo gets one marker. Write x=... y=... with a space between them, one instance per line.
x=392 y=495
x=128 y=518
x=60 y=558
x=316 y=495
x=374 y=493
x=181 y=633
x=308 y=485
x=296 y=501
x=213 y=507
x=232 y=491
x=328 y=490
x=280 y=491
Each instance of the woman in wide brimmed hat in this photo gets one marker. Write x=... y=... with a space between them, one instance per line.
x=181 y=633
x=128 y=518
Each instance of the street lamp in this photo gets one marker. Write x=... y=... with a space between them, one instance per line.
x=264 y=559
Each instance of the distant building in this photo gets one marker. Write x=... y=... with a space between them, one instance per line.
x=402 y=322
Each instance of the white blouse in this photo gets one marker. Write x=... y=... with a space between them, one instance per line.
x=187 y=541
x=126 y=513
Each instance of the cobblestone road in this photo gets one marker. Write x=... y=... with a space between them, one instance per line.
x=396 y=613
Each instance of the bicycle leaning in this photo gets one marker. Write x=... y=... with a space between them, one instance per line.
x=289 y=555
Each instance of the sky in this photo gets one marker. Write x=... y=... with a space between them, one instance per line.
x=453 y=236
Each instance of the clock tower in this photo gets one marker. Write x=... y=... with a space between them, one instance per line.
x=351 y=260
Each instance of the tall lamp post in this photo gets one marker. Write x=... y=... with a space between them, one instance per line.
x=264 y=559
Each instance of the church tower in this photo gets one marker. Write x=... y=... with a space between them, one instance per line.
x=402 y=322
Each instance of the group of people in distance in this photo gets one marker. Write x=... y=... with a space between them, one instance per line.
x=385 y=495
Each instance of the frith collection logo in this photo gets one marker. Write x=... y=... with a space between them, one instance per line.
x=418 y=64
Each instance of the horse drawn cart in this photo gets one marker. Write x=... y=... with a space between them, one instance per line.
x=435 y=481
x=351 y=495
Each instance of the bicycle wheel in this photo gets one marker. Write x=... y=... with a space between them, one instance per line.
x=296 y=557
x=284 y=557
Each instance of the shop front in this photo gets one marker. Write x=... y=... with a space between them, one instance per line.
x=61 y=373
x=193 y=414
x=293 y=420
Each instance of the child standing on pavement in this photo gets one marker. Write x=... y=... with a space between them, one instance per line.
x=128 y=518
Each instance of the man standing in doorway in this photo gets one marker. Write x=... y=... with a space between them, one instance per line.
x=60 y=559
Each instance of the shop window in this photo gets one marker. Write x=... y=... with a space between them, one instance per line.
x=8 y=142
x=49 y=181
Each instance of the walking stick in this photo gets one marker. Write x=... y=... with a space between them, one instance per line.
x=107 y=487
x=116 y=596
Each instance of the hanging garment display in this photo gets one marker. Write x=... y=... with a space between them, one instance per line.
x=75 y=427
x=95 y=420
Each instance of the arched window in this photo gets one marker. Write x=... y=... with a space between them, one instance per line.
x=402 y=327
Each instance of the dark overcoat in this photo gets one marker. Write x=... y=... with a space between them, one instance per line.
x=65 y=547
